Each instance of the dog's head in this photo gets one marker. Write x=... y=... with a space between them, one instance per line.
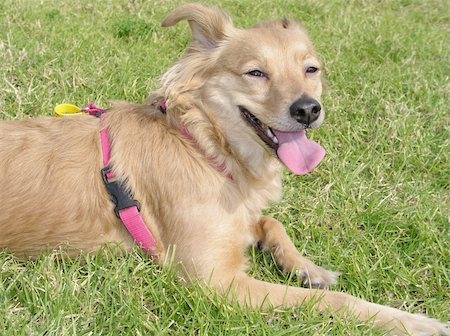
x=263 y=84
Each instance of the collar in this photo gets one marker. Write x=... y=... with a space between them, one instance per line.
x=127 y=209
x=221 y=168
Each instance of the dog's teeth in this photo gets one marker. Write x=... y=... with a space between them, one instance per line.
x=271 y=136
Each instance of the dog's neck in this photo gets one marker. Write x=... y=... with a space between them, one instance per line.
x=201 y=125
x=184 y=131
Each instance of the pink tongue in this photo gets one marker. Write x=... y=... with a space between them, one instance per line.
x=298 y=153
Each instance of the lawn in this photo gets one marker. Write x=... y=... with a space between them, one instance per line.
x=376 y=209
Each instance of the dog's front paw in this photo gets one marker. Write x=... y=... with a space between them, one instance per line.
x=314 y=276
x=419 y=325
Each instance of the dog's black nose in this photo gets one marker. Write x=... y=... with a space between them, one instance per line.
x=305 y=110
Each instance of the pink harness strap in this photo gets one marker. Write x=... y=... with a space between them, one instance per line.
x=106 y=150
x=126 y=208
x=185 y=132
x=219 y=167
x=135 y=225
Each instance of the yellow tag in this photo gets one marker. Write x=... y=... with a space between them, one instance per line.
x=67 y=110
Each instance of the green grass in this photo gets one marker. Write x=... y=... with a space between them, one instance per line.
x=376 y=209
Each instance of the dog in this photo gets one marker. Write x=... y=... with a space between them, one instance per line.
x=203 y=157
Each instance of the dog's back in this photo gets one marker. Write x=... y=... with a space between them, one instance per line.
x=44 y=163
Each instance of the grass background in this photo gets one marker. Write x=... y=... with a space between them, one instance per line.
x=376 y=209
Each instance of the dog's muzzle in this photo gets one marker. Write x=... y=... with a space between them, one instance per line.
x=262 y=130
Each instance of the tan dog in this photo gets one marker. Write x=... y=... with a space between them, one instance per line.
x=245 y=97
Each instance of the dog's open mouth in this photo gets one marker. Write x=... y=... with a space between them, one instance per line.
x=262 y=130
x=294 y=149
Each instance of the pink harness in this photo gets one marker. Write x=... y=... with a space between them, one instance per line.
x=127 y=209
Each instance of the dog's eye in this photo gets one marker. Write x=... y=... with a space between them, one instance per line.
x=256 y=73
x=311 y=70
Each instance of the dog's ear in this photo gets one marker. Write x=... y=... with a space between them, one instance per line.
x=209 y=25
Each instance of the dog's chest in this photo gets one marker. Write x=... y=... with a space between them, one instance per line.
x=253 y=204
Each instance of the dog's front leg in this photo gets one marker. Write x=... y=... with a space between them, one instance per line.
x=257 y=293
x=272 y=236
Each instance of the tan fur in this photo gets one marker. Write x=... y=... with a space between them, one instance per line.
x=52 y=193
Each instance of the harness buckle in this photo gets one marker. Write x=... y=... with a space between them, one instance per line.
x=119 y=196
